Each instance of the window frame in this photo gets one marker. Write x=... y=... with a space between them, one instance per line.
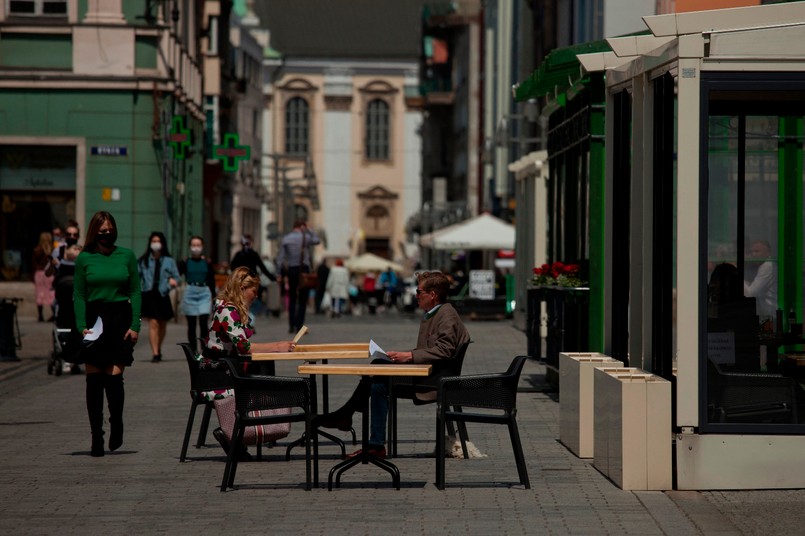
x=377 y=136
x=752 y=84
x=38 y=12
x=297 y=133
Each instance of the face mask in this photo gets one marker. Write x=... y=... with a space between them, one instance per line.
x=71 y=242
x=106 y=240
x=156 y=246
x=196 y=252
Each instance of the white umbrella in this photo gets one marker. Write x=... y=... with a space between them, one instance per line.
x=482 y=232
x=369 y=262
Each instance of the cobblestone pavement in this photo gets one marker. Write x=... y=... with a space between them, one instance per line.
x=49 y=484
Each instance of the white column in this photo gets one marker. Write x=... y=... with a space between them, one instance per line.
x=687 y=245
x=104 y=11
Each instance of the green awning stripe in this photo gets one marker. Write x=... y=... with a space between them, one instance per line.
x=560 y=70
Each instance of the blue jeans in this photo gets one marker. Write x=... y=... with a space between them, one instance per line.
x=379 y=409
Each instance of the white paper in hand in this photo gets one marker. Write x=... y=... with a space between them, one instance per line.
x=377 y=353
x=95 y=331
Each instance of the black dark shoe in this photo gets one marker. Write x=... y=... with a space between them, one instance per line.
x=243 y=454
x=219 y=435
x=157 y=358
x=115 y=436
x=340 y=419
x=97 y=446
x=378 y=451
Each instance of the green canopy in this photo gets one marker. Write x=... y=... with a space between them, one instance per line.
x=558 y=71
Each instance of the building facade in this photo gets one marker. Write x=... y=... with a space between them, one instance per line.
x=342 y=125
x=100 y=109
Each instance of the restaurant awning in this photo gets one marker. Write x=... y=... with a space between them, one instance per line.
x=558 y=71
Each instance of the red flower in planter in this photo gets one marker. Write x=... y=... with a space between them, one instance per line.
x=557 y=274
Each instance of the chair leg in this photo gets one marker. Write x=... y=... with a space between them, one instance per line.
x=518 y=452
x=233 y=449
x=231 y=458
x=307 y=452
x=440 y=449
x=187 y=431
x=392 y=424
x=205 y=424
x=462 y=433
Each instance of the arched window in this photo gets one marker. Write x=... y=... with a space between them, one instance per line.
x=297 y=123
x=377 y=130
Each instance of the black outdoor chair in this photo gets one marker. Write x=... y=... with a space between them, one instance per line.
x=406 y=388
x=480 y=391
x=215 y=376
x=256 y=394
x=758 y=397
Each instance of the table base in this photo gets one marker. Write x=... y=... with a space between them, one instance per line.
x=364 y=457
x=337 y=440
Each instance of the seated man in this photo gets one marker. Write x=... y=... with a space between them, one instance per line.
x=764 y=285
x=440 y=334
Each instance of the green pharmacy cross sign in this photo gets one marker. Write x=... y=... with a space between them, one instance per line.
x=231 y=152
x=179 y=137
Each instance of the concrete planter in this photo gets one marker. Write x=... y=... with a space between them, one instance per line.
x=632 y=422
x=576 y=389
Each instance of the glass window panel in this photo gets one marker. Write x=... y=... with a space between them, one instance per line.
x=754 y=200
x=296 y=126
x=377 y=130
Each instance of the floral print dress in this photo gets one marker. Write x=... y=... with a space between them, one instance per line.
x=229 y=335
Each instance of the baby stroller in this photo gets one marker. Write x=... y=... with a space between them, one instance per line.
x=66 y=340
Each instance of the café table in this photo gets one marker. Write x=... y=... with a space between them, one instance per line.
x=319 y=352
x=364 y=370
x=312 y=353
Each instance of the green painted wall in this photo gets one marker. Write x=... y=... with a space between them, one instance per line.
x=119 y=119
x=145 y=52
x=36 y=51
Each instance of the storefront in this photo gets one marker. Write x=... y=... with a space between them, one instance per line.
x=38 y=187
x=704 y=234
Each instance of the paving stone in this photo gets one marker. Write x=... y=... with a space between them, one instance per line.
x=49 y=484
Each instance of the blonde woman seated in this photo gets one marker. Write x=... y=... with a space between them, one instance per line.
x=230 y=335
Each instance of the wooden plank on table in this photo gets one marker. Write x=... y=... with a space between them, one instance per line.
x=365 y=370
x=309 y=356
x=337 y=347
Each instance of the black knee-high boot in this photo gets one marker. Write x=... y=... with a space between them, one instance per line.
x=115 y=397
x=95 y=384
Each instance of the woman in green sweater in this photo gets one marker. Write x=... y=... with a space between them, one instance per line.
x=106 y=289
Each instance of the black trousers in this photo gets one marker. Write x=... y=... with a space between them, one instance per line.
x=297 y=299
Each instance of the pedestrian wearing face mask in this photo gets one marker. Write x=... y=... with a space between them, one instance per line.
x=197 y=298
x=158 y=275
x=106 y=286
x=62 y=267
